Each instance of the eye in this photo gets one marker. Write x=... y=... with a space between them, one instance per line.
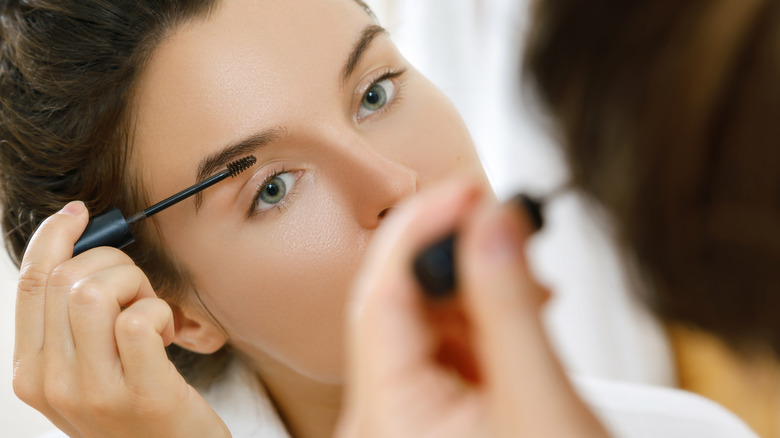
x=273 y=190
x=376 y=97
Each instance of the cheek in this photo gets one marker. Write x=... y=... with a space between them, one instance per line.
x=283 y=290
x=428 y=134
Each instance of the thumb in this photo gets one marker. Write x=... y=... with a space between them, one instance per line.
x=524 y=379
x=388 y=333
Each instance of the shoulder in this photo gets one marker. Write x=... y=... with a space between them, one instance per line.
x=632 y=410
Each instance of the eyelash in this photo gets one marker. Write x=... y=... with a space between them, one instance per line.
x=387 y=74
x=253 y=212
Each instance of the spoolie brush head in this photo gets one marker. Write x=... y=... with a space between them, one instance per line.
x=240 y=165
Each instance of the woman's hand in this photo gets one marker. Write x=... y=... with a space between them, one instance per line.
x=477 y=366
x=90 y=338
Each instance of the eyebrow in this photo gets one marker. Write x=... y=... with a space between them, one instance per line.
x=362 y=44
x=241 y=148
x=250 y=144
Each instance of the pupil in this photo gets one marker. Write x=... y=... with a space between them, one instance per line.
x=372 y=97
x=274 y=191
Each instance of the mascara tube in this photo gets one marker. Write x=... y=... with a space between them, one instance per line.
x=434 y=267
x=112 y=229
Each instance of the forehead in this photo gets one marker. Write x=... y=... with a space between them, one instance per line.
x=241 y=68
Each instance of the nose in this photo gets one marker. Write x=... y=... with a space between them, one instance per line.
x=373 y=182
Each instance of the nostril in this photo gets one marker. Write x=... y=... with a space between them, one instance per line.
x=384 y=213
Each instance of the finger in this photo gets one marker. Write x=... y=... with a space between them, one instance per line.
x=419 y=222
x=504 y=302
x=93 y=306
x=388 y=329
x=50 y=245
x=58 y=337
x=142 y=331
x=28 y=386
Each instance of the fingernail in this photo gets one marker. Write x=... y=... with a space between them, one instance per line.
x=73 y=208
x=532 y=208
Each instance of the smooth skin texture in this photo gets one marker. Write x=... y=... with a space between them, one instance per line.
x=94 y=369
x=401 y=383
x=277 y=282
x=270 y=273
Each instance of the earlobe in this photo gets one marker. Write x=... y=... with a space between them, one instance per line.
x=196 y=330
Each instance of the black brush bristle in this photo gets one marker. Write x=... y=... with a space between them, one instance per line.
x=240 y=165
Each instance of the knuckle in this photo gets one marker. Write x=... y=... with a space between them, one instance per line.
x=133 y=271
x=59 y=395
x=26 y=387
x=100 y=404
x=131 y=325
x=117 y=256
x=32 y=279
x=64 y=276
x=157 y=304
x=26 y=392
x=137 y=271
x=142 y=282
x=88 y=291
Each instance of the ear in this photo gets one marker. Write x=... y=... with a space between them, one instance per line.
x=196 y=330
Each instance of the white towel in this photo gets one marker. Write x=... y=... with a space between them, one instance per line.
x=627 y=410
x=243 y=404
x=630 y=410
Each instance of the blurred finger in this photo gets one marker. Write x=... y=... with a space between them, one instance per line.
x=423 y=220
x=388 y=330
x=504 y=300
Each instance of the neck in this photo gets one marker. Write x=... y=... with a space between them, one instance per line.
x=308 y=408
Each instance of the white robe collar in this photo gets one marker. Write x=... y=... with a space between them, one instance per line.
x=243 y=404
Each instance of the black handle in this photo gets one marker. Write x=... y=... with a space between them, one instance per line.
x=435 y=266
x=108 y=229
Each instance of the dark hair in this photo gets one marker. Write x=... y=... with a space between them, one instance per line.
x=669 y=112
x=67 y=73
x=68 y=69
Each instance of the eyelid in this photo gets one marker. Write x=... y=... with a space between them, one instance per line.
x=379 y=76
x=267 y=177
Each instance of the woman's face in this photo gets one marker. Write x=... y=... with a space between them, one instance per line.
x=342 y=128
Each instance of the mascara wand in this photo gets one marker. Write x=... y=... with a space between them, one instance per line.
x=112 y=229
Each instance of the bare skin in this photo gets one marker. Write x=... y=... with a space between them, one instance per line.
x=273 y=269
x=278 y=282
x=499 y=377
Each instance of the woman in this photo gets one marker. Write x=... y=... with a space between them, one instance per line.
x=124 y=103
x=343 y=130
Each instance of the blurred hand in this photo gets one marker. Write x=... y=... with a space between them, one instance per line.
x=477 y=366
x=90 y=338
